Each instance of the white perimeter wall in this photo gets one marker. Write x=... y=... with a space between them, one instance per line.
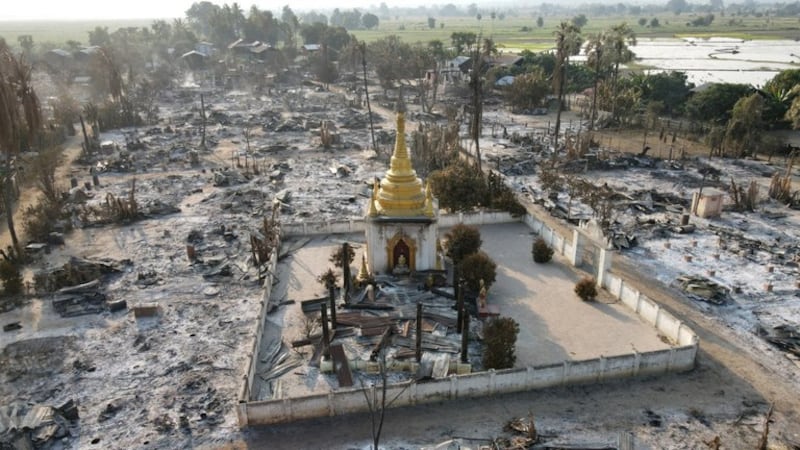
x=679 y=358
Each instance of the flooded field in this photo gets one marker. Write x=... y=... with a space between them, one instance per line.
x=720 y=60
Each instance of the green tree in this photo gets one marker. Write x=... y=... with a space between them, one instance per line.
x=26 y=42
x=99 y=36
x=580 y=20
x=619 y=38
x=11 y=278
x=431 y=23
x=462 y=241
x=677 y=6
x=715 y=103
x=784 y=81
x=642 y=21
x=745 y=128
x=793 y=113
x=528 y=90
x=324 y=69
x=499 y=343
x=671 y=89
x=389 y=57
x=370 y=21
x=654 y=23
x=463 y=41
x=568 y=43
x=476 y=267
x=21 y=122
x=598 y=60
x=539 y=22
x=459 y=187
x=779 y=93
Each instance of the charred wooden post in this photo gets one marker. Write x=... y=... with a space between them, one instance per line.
x=460 y=306
x=363 y=49
x=332 y=297
x=464 y=337
x=87 y=145
x=456 y=277
x=419 y=333
x=383 y=342
x=346 y=271
x=203 y=118
x=326 y=334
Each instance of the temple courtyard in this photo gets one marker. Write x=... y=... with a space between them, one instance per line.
x=555 y=325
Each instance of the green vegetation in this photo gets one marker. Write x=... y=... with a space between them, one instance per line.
x=478 y=267
x=57 y=33
x=586 y=289
x=512 y=33
x=11 y=278
x=541 y=252
x=499 y=343
x=462 y=240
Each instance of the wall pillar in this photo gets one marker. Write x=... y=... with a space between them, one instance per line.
x=603 y=265
x=577 y=249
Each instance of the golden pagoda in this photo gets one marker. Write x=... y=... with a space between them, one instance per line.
x=401 y=193
x=401 y=216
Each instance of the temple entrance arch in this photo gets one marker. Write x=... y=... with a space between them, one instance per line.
x=402 y=245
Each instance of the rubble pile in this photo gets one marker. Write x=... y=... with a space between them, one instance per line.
x=785 y=337
x=24 y=427
x=703 y=289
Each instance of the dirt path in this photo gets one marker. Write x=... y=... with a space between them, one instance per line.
x=30 y=194
x=769 y=374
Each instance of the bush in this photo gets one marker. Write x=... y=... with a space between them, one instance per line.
x=476 y=267
x=542 y=252
x=462 y=240
x=586 y=289
x=499 y=343
x=11 y=277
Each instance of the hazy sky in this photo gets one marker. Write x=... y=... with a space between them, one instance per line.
x=148 y=9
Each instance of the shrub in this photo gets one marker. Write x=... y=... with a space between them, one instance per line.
x=542 y=252
x=11 y=277
x=499 y=343
x=476 y=267
x=586 y=289
x=462 y=240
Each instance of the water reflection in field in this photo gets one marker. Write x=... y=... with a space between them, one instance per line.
x=725 y=60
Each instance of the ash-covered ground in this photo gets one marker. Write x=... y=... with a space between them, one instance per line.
x=172 y=380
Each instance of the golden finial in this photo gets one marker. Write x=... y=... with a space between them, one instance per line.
x=428 y=200
x=363 y=273
x=372 y=211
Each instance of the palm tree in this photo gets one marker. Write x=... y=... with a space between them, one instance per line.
x=597 y=59
x=20 y=122
x=620 y=38
x=568 y=43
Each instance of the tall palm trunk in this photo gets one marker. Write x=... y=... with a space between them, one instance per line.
x=8 y=205
x=614 y=92
x=560 y=101
x=593 y=116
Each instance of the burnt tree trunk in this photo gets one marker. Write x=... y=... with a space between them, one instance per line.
x=366 y=95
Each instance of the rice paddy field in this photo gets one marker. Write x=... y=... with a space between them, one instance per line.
x=513 y=33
